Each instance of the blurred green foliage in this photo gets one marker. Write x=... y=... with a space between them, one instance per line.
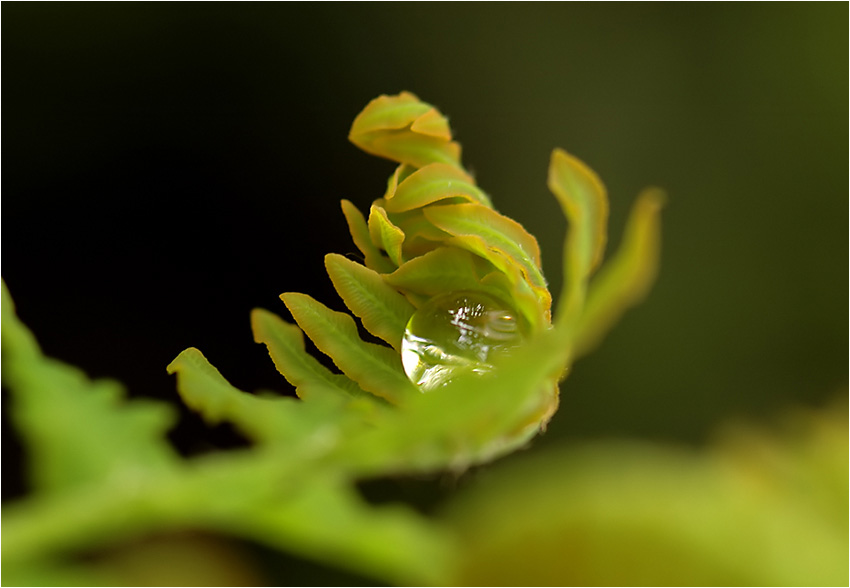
x=757 y=508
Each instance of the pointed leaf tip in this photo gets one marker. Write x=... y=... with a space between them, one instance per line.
x=360 y=234
x=585 y=203
x=627 y=277
x=385 y=235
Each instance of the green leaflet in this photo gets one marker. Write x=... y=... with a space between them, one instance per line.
x=271 y=418
x=406 y=130
x=54 y=405
x=401 y=173
x=363 y=240
x=285 y=343
x=388 y=113
x=406 y=146
x=19 y=346
x=420 y=236
x=533 y=302
x=385 y=234
x=326 y=520
x=627 y=277
x=383 y=311
x=434 y=182
x=496 y=231
x=376 y=368
x=432 y=123
x=414 y=225
x=205 y=390
x=442 y=270
x=449 y=269
x=585 y=204
x=395 y=178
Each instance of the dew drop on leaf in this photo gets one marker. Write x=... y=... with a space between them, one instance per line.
x=457 y=332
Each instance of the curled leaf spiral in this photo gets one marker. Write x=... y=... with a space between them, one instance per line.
x=434 y=248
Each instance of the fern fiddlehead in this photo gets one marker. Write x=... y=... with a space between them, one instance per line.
x=456 y=291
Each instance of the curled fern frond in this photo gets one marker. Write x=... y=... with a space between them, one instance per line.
x=456 y=290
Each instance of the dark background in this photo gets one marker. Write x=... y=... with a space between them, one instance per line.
x=168 y=167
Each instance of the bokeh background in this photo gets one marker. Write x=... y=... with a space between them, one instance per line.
x=168 y=167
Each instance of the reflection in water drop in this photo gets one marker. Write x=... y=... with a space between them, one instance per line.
x=456 y=332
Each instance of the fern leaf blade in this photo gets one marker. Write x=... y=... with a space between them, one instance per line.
x=285 y=343
x=375 y=368
x=627 y=276
x=382 y=309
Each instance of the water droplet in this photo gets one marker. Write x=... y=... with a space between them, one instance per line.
x=457 y=332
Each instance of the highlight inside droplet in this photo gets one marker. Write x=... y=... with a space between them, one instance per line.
x=457 y=332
